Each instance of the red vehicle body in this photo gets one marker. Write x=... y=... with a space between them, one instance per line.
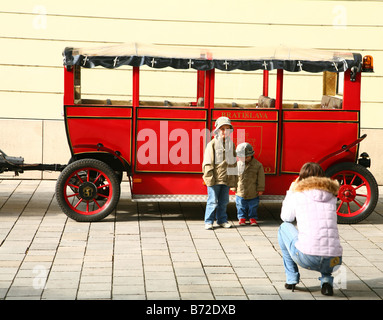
x=161 y=146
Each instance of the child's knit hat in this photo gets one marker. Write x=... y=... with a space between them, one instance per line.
x=220 y=122
x=244 y=150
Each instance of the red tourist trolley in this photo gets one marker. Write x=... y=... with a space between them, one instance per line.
x=160 y=145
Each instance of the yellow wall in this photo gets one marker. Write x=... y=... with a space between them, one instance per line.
x=34 y=34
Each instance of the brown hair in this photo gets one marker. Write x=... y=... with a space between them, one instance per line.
x=310 y=169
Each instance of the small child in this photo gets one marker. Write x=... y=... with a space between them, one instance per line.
x=251 y=184
x=219 y=173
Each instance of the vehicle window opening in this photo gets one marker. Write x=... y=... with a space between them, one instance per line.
x=302 y=99
x=168 y=87
x=340 y=84
x=332 y=83
x=244 y=90
x=102 y=86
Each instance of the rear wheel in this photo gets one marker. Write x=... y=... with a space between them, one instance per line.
x=87 y=190
x=358 y=192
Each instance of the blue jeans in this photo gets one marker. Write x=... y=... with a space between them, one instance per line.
x=247 y=208
x=292 y=257
x=217 y=200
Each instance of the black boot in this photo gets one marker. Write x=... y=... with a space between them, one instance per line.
x=290 y=286
x=327 y=289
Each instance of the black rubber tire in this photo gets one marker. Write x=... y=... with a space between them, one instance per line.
x=112 y=199
x=361 y=175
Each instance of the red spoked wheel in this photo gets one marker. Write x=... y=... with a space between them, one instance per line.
x=87 y=190
x=358 y=193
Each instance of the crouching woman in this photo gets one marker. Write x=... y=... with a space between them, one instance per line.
x=315 y=245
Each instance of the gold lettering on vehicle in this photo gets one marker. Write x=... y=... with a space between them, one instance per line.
x=240 y=115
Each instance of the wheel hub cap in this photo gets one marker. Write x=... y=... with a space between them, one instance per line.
x=87 y=191
x=347 y=193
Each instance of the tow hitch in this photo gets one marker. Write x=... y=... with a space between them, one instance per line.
x=16 y=164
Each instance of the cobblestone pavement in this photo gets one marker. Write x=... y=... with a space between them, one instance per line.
x=155 y=251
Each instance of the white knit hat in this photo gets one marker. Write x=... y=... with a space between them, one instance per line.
x=221 y=121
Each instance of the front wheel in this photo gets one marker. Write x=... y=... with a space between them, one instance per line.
x=87 y=190
x=358 y=193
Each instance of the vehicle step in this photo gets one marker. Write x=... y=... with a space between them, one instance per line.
x=195 y=198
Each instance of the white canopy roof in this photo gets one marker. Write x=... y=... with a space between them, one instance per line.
x=223 y=58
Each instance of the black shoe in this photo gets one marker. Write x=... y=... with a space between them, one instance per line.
x=290 y=286
x=327 y=289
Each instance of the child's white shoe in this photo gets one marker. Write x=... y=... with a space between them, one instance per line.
x=225 y=225
x=208 y=226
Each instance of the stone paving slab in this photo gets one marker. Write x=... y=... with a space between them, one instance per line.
x=161 y=251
